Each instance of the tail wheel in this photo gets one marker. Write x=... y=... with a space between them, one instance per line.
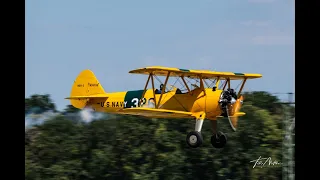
x=219 y=140
x=194 y=139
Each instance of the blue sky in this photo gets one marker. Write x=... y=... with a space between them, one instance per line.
x=112 y=37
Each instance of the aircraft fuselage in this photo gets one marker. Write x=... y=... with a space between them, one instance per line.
x=193 y=101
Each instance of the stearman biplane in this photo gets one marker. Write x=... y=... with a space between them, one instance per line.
x=202 y=100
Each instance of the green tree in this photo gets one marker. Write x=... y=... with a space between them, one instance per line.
x=39 y=104
x=263 y=100
x=70 y=109
x=130 y=147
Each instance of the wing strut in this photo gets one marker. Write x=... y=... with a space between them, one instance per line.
x=242 y=85
x=184 y=81
x=163 y=89
x=202 y=86
x=225 y=84
x=217 y=83
x=154 y=94
x=145 y=87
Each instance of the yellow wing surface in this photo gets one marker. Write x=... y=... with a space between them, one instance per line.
x=205 y=74
x=156 y=113
x=161 y=113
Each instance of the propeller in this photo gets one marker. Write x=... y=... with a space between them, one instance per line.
x=233 y=113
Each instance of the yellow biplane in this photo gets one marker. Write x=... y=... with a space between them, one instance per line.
x=199 y=101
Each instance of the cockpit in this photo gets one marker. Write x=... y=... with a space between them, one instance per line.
x=158 y=91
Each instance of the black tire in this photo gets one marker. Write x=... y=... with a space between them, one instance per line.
x=194 y=139
x=219 y=140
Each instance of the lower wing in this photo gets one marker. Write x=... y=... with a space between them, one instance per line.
x=235 y=115
x=156 y=113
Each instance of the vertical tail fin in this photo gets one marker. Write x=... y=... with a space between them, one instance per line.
x=85 y=86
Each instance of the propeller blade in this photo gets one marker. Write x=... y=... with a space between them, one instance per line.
x=234 y=113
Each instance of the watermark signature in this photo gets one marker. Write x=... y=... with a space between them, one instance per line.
x=263 y=162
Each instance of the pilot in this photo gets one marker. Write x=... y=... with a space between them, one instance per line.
x=157 y=91
x=161 y=87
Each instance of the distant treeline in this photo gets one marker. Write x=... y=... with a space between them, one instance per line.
x=129 y=147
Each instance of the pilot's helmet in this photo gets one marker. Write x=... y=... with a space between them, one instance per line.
x=161 y=86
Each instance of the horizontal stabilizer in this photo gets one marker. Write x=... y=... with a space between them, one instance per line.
x=88 y=97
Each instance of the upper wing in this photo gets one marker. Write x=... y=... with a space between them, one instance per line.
x=206 y=74
x=156 y=113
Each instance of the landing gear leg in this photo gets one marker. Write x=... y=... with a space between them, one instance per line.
x=194 y=138
x=218 y=139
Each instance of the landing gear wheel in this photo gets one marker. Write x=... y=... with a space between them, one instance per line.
x=219 y=140
x=194 y=139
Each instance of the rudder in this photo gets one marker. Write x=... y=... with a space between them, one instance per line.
x=86 y=84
